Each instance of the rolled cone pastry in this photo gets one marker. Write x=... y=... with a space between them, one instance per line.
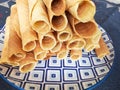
x=76 y=43
x=57 y=47
x=4 y=55
x=58 y=23
x=96 y=38
x=39 y=53
x=70 y=4
x=62 y=54
x=28 y=63
x=28 y=35
x=89 y=45
x=85 y=30
x=65 y=35
x=15 y=21
x=48 y=41
x=103 y=50
x=14 y=53
x=83 y=11
x=75 y=54
x=38 y=16
x=56 y=7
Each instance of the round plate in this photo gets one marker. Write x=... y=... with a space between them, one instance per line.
x=66 y=74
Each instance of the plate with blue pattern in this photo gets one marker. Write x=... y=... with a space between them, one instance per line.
x=66 y=74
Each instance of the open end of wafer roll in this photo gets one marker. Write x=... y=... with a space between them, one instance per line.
x=29 y=46
x=65 y=35
x=58 y=6
x=59 y=23
x=76 y=43
x=48 y=41
x=39 y=25
x=38 y=16
x=85 y=30
x=86 y=11
x=26 y=68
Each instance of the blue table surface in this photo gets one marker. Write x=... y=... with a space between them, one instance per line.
x=108 y=16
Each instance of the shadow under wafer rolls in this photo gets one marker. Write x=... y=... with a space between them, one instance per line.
x=83 y=11
x=56 y=7
x=38 y=16
x=28 y=35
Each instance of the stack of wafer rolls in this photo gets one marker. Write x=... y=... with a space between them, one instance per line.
x=39 y=29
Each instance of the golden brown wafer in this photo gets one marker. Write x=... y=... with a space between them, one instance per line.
x=28 y=36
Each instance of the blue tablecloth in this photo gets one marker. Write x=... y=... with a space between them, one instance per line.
x=108 y=16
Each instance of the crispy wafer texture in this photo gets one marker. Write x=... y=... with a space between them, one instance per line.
x=39 y=29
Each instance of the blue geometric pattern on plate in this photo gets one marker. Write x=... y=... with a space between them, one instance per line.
x=66 y=74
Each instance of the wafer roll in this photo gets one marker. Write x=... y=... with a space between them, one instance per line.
x=28 y=36
x=75 y=54
x=83 y=11
x=38 y=16
x=65 y=35
x=48 y=41
x=39 y=53
x=15 y=21
x=27 y=64
x=14 y=53
x=62 y=54
x=85 y=30
x=76 y=43
x=89 y=45
x=70 y=4
x=103 y=50
x=58 y=23
x=56 y=7
x=96 y=38
x=57 y=47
